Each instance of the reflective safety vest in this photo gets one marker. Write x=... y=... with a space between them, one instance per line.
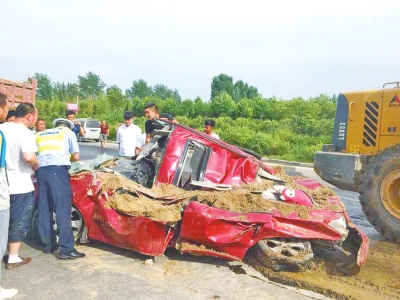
x=51 y=141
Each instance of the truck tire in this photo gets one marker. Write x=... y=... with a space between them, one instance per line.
x=380 y=192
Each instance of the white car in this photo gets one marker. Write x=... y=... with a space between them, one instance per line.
x=91 y=129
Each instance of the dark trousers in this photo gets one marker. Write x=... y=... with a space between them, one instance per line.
x=55 y=194
x=20 y=204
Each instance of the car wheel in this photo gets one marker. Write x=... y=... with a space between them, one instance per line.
x=77 y=223
x=97 y=140
x=284 y=254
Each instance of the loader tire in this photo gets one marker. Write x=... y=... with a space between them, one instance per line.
x=380 y=192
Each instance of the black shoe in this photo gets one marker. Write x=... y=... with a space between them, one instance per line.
x=73 y=255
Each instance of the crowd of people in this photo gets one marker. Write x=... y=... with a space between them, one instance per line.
x=49 y=153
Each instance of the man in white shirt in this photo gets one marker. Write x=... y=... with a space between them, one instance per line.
x=20 y=160
x=4 y=198
x=209 y=125
x=128 y=136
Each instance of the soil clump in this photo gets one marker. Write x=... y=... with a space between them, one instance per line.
x=377 y=279
x=133 y=199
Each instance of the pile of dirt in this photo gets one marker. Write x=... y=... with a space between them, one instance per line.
x=377 y=279
x=243 y=199
x=236 y=200
x=135 y=203
x=320 y=194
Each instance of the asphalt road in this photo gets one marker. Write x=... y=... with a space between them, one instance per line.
x=112 y=273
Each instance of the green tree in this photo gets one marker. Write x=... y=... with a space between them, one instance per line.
x=72 y=90
x=245 y=108
x=169 y=106
x=139 y=89
x=163 y=92
x=223 y=105
x=260 y=107
x=44 y=88
x=221 y=84
x=200 y=108
x=60 y=90
x=102 y=106
x=90 y=85
x=114 y=95
x=240 y=90
x=138 y=106
x=186 y=108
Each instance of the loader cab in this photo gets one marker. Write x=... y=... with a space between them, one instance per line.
x=366 y=122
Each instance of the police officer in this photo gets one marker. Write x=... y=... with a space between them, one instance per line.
x=57 y=147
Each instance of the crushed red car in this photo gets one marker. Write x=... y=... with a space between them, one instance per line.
x=206 y=197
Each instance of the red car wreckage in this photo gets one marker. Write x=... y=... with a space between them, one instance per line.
x=193 y=161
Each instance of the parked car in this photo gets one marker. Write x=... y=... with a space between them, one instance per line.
x=91 y=129
x=207 y=197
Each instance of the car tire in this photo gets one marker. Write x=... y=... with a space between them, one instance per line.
x=284 y=254
x=77 y=222
x=97 y=140
x=379 y=192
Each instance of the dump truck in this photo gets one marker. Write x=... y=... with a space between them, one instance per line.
x=364 y=155
x=18 y=92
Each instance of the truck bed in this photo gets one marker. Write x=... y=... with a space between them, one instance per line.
x=18 y=92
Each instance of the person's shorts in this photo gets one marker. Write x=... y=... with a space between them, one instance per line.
x=103 y=137
x=20 y=204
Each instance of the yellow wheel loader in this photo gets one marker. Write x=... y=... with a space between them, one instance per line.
x=365 y=154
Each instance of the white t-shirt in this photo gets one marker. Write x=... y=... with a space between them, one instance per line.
x=214 y=135
x=142 y=140
x=19 y=139
x=128 y=139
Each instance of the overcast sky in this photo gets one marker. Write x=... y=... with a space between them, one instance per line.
x=284 y=48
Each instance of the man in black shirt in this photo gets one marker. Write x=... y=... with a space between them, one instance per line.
x=151 y=112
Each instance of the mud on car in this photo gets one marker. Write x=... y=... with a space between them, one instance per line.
x=203 y=196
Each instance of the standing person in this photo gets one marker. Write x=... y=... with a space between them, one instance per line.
x=55 y=193
x=104 y=133
x=127 y=136
x=151 y=112
x=4 y=198
x=20 y=159
x=141 y=143
x=209 y=125
x=10 y=116
x=118 y=126
x=77 y=129
x=40 y=125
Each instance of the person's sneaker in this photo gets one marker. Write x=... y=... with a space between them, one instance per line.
x=24 y=261
x=7 y=293
x=73 y=255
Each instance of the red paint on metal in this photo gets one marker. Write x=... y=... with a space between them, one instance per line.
x=308 y=183
x=223 y=233
x=140 y=234
x=234 y=233
x=224 y=166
